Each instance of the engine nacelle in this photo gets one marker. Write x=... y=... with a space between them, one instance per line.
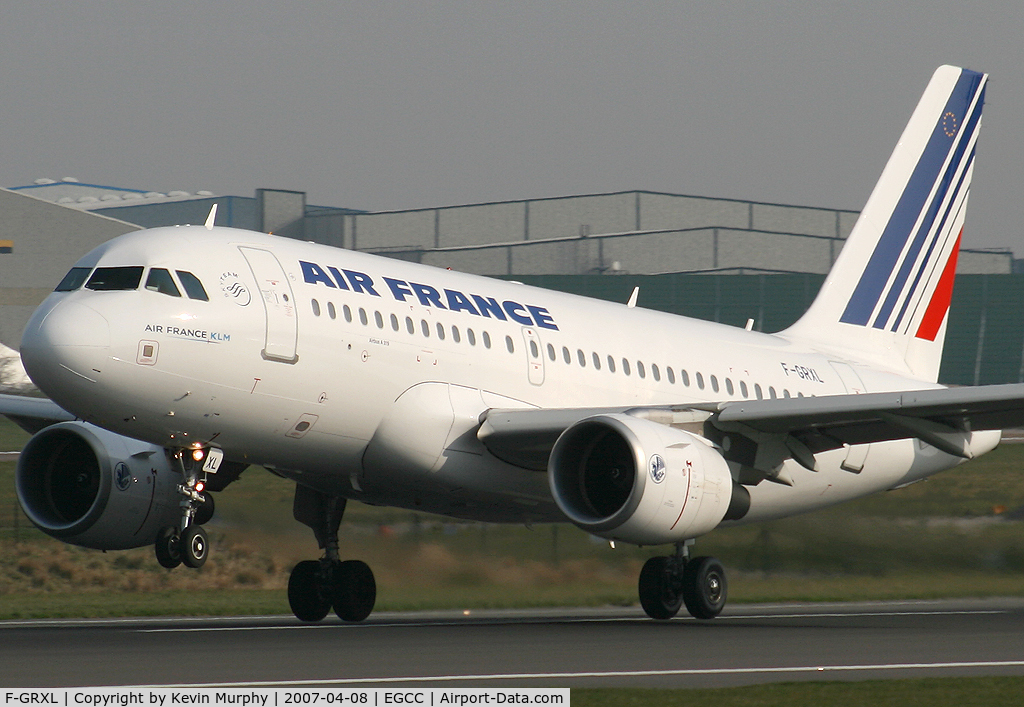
x=90 y=487
x=629 y=479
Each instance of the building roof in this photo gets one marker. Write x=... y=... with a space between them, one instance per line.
x=75 y=194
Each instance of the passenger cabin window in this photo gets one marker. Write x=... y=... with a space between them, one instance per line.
x=193 y=288
x=160 y=280
x=75 y=278
x=126 y=278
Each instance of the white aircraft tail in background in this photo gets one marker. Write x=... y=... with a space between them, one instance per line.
x=189 y=353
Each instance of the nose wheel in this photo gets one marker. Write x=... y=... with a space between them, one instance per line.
x=188 y=543
x=195 y=546
x=168 y=552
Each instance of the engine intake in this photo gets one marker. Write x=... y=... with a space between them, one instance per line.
x=86 y=486
x=638 y=481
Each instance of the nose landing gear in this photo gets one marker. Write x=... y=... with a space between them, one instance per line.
x=667 y=583
x=187 y=544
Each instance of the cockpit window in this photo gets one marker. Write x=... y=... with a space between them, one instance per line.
x=124 y=278
x=160 y=280
x=73 y=280
x=193 y=288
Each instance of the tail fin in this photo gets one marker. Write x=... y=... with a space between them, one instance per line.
x=887 y=297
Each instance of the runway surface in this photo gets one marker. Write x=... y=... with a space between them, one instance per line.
x=559 y=648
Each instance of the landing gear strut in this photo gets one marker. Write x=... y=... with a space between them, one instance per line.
x=187 y=543
x=315 y=586
x=666 y=583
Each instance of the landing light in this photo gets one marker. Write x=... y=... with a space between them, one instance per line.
x=200 y=486
x=198 y=454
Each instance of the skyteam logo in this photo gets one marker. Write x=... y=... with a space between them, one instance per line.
x=656 y=467
x=233 y=289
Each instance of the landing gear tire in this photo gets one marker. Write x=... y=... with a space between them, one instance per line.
x=354 y=592
x=168 y=548
x=305 y=592
x=204 y=514
x=659 y=593
x=195 y=547
x=704 y=587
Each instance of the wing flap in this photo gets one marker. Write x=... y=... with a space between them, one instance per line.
x=870 y=417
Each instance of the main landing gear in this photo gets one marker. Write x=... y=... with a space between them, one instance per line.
x=187 y=544
x=315 y=586
x=666 y=583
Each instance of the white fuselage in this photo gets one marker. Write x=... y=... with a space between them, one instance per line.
x=297 y=369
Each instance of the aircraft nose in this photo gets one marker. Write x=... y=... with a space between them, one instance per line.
x=68 y=338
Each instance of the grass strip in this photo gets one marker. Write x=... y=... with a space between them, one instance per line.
x=921 y=692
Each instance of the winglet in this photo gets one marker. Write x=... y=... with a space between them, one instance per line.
x=633 y=297
x=211 y=218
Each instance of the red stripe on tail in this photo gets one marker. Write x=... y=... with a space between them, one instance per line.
x=937 y=308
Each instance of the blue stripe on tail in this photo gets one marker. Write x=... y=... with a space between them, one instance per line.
x=912 y=202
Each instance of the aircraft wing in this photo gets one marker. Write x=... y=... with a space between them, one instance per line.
x=32 y=414
x=803 y=426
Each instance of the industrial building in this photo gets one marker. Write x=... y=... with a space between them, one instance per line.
x=721 y=259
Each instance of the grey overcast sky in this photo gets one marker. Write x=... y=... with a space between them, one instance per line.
x=393 y=105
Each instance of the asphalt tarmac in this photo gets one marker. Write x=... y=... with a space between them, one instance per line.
x=530 y=648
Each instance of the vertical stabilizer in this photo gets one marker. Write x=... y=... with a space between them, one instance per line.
x=887 y=297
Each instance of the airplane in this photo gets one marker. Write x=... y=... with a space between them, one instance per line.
x=176 y=357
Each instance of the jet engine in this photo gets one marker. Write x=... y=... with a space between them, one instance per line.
x=629 y=479
x=90 y=487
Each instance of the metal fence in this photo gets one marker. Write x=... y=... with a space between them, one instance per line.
x=984 y=340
